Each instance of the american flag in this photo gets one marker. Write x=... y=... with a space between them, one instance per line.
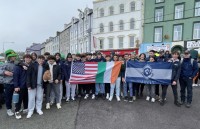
x=83 y=72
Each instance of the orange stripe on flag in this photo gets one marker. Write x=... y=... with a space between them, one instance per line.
x=115 y=71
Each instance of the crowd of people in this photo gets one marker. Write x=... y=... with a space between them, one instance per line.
x=47 y=76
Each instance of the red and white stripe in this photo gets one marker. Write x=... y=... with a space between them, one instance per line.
x=91 y=69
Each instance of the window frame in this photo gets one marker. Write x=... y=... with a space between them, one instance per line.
x=111 y=7
x=182 y=25
x=130 y=41
x=131 y=5
x=111 y=26
x=161 y=34
x=102 y=12
x=162 y=7
x=132 y=23
x=121 y=8
x=178 y=4
x=109 y=42
x=193 y=31
x=101 y=44
x=101 y=28
x=121 y=43
x=195 y=8
x=159 y=2
x=121 y=24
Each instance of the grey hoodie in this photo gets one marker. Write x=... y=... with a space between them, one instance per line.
x=9 y=66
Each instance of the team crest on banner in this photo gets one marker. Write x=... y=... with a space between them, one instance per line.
x=147 y=71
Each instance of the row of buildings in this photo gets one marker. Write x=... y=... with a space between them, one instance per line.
x=123 y=26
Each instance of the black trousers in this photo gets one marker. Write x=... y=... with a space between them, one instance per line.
x=139 y=88
x=1 y=94
x=90 y=87
x=107 y=88
x=23 y=97
x=80 y=89
x=174 y=89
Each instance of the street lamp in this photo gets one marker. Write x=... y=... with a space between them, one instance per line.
x=4 y=44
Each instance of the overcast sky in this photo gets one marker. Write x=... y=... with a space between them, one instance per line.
x=26 y=21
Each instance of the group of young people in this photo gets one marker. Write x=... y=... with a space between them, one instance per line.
x=47 y=76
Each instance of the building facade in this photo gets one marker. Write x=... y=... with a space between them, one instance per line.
x=56 y=44
x=172 y=21
x=117 y=24
x=35 y=47
x=49 y=45
x=65 y=40
x=80 y=32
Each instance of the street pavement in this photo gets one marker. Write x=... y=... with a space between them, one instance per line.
x=101 y=114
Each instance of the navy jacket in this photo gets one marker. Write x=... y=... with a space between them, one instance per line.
x=187 y=69
x=161 y=59
x=66 y=70
x=102 y=59
x=32 y=74
x=19 y=77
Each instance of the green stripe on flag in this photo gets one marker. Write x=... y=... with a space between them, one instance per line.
x=100 y=73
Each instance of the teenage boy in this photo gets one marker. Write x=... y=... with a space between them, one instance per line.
x=6 y=70
x=54 y=82
x=189 y=69
x=20 y=77
x=35 y=86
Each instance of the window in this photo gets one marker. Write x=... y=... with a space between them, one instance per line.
x=131 y=41
x=196 y=31
x=160 y=1
x=101 y=28
x=121 y=8
x=132 y=4
x=121 y=42
x=158 y=34
x=132 y=23
x=101 y=12
x=178 y=32
x=111 y=10
x=121 y=25
x=111 y=26
x=158 y=14
x=110 y=44
x=179 y=11
x=197 y=8
x=101 y=42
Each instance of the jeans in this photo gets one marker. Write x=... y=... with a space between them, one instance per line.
x=151 y=90
x=9 y=89
x=117 y=86
x=70 y=88
x=174 y=89
x=125 y=89
x=56 y=89
x=61 y=92
x=35 y=98
x=23 y=97
x=186 y=83
x=99 y=88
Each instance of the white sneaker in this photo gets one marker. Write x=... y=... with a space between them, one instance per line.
x=134 y=98
x=40 y=112
x=86 y=96
x=67 y=100
x=29 y=115
x=110 y=99
x=18 y=115
x=118 y=98
x=153 y=100
x=58 y=105
x=10 y=112
x=148 y=98
x=25 y=111
x=48 y=106
x=93 y=96
x=73 y=99
x=107 y=96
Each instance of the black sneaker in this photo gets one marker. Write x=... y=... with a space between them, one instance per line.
x=188 y=105
x=177 y=104
x=103 y=96
x=182 y=102
x=125 y=98
x=130 y=99
x=18 y=115
x=162 y=102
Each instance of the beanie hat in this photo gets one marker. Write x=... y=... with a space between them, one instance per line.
x=10 y=53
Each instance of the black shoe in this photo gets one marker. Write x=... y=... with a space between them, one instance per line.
x=162 y=102
x=141 y=95
x=96 y=97
x=182 y=102
x=130 y=99
x=103 y=96
x=177 y=104
x=188 y=105
x=125 y=98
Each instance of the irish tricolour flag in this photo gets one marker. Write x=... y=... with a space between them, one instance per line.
x=94 y=72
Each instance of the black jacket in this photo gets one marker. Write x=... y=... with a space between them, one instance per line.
x=56 y=72
x=176 y=70
x=32 y=74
